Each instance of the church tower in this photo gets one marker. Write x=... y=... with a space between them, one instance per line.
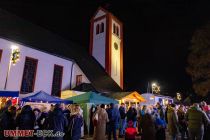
x=106 y=43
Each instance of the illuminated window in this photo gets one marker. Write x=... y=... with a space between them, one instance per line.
x=78 y=80
x=97 y=29
x=57 y=80
x=1 y=54
x=102 y=28
x=29 y=75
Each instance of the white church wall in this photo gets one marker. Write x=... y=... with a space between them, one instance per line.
x=77 y=71
x=99 y=40
x=45 y=68
x=115 y=58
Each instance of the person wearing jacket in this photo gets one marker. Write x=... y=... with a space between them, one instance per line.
x=160 y=127
x=57 y=122
x=75 y=124
x=122 y=119
x=173 y=125
x=7 y=122
x=147 y=124
x=114 y=119
x=25 y=120
x=196 y=120
x=182 y=121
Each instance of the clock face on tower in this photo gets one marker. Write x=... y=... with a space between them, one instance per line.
x=115 y=46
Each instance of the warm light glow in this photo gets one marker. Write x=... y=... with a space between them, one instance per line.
x=14 y=47
x=178 y=96
x=154 y=84
x=15 y=55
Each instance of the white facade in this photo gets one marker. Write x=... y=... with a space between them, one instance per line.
x=44 y=72
x=99 y=43
x=115 y=55
x=107 y=46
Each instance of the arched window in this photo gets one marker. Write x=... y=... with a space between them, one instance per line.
x=102 y=28
x=114 y=28
x=97 y=29
x=117 y=31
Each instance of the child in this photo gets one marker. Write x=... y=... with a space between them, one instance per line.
x=130 y=132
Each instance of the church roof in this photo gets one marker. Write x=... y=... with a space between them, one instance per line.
x=18 y=30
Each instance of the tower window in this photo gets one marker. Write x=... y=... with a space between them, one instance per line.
x=117 y=31
x=102 y=28
x=57 y=80
x=97 y=29
x=29 y=75
x=1 y=54
x=114 y=28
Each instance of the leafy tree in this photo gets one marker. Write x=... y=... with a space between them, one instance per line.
x=199 y=61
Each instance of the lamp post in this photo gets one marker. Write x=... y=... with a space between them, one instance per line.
x=14 y=57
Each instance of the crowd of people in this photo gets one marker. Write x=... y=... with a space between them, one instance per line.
x=60 y=118
x=154 y=122
x=151 y=122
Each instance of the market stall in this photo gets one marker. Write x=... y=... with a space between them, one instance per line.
x=43 y=97
x=153 y=99
x=87 y=99
x=128 y=98
x=8 y=95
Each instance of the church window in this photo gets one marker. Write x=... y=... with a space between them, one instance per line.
x=78 y=80
x=29 y=75
x=97 y=29
x=57 y=80
x=117 y=31
x=114 y=28
x=1 y=54
x=102 y=28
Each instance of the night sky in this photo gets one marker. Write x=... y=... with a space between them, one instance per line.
x=157 y=33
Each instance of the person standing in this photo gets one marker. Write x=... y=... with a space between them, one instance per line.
x=114 y=119
x=173 y=125
x=147 y=125
x=75 y=124
x=122 y=120
x=91 y=126
x=26 y=120
x=57 y=122
x=196 y=120
x=101 y=124
x=7 y=122
x=182 y=121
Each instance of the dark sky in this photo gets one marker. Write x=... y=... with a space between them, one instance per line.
x=157 y=33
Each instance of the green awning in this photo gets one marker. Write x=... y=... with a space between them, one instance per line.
x=92 y=97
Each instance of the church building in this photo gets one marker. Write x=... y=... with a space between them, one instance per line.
x=34 y=59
